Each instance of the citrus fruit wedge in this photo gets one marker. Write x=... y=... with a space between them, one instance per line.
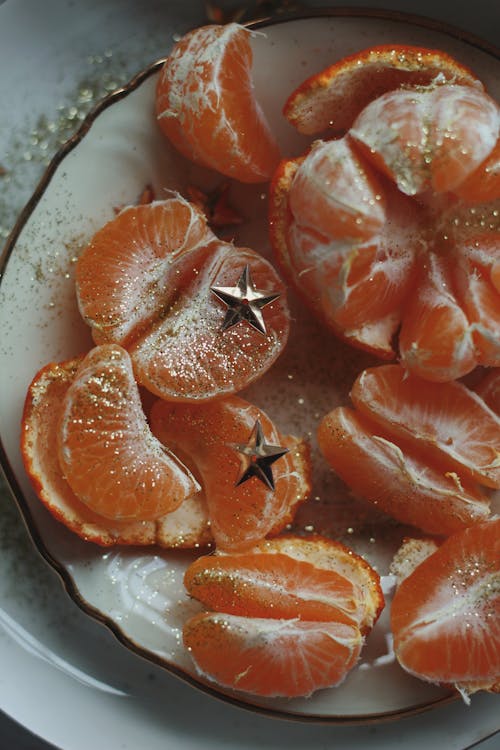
x=271 y=657
x=332 y=98
x=212 y=439
x=206 y=105
x=484 y=183
x=289 y=577
x=446 y=419
x=145 y=282
x=419 y=451
x=429 y=139
x=445 y=615
x=108 y=455
x=187 y=526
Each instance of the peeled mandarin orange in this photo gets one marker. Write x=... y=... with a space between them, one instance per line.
x=445 y=615
x=108 y=455
x=398 y=481
x=271 y=657
x=187 y=526
x=446 y=419
x=332 y=98
x=281 y=578
x=206 y=105
x=372 y=227
x=358 y=277
x=209 y=437
x=417 y=450
x=290 y=614
x=144 y=282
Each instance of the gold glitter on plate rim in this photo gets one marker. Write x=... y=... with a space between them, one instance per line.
x=67 y=579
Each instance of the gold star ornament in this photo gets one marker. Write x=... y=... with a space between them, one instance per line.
x=257 y=457
x=244 y=302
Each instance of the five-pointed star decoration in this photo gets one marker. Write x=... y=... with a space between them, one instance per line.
x=244 y=302
x=257 y=456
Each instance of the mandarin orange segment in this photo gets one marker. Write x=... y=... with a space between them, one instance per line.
x=335 y=194
x=206 y=105
x=271 y=657
x=436 y=341
x=400 y=481
x=208 y=436
x=108 y=455
x=332 y=98
x=133 y=267
x=483 y=184
x=187 y=356
x=435 y=137
x=311 y=578
x=260 y=585
x=446 y=419
x=330 y=555
x=446 y=614
x=185 y=527
x=144 y=282
x=479 y=295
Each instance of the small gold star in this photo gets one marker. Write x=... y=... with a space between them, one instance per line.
x=244 y=302
x=257 y=456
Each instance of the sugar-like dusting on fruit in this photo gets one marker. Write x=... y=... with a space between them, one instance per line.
x=130 y=269
x=102 y=423
x=429 y=137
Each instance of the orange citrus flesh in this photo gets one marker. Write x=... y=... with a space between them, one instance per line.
x=144 y=282
x=399 y=479
x=206 y=105
x=332 y=98
x=488 y=389
x=484 y=183
x=327 y=554
x=271 y=657
x=445 y=616
x=372 y=230
x=432 y=138
x=187 y=526
x=268 y=582
x=411 y=553
x=207 y=437
x=448 y=420
x=108 y=455
x=436 y=338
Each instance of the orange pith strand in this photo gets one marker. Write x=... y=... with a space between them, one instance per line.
x=419 y=451
x=109 y=457
x=144 y=282
x=187 y=526
x=207 y=436
x=392 y=231
x=290 y=615
x=206 y=106
x=445 y=615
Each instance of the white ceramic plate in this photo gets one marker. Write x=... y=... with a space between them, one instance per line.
x=139 y=594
